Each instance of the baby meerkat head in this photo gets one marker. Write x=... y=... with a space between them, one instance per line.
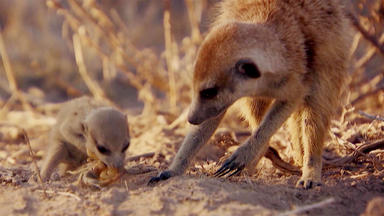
x=235 y=60
x=107 y=135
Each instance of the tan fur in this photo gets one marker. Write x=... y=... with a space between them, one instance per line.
x=300 y=50
x=82 y=125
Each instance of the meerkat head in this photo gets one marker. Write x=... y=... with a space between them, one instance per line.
x=235 y=60
x=107 y=135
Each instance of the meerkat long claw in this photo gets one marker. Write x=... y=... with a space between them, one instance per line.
x=225 y=172
x=220 y=171
x=236 y=172
x=161 y=177
x=223 y=169
x=228 y=167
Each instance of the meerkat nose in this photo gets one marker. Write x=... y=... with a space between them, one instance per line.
x=118 y=164
x=193 y=119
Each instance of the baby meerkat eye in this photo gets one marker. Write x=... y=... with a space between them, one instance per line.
x=103 y=150
x=248 y=68
x=125 y=147
x=209 y=93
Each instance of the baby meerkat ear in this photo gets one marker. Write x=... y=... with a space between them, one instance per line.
x=84 y=127
x=247 y=68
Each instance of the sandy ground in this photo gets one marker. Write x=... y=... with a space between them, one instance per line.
x=346 y=190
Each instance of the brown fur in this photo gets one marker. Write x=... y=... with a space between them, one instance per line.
x=300 y=49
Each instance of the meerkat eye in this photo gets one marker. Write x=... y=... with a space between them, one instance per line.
x=248 y=68
x=209 y=93
x=125 y=147
x=103 y=150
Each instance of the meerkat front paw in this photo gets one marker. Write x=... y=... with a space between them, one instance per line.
x=236 y=163
x=308 y=183
x=161 y=177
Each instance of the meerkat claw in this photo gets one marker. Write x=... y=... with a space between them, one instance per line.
x=228 y=167
x=307 y=184
x=161 y=177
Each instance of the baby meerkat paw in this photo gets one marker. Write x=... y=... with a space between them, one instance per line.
x=236 y=163
x=161 y=177
x=307 y=183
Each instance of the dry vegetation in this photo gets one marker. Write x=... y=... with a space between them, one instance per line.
x=138 y=55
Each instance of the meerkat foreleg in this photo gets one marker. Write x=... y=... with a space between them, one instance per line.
x=195 y=139
x=56 y=154
x=255 y=147
x=315 y=123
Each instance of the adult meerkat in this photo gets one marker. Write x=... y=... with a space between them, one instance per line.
x=86 y=127
x=283 y=58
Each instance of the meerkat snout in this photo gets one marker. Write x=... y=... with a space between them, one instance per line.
x=212 y=100
x=107 y=135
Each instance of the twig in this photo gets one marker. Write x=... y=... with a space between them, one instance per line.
x=366 y=34
x=26 y=139
x=280 y=164
x=361 y=150
x=61 y=193
x=308 y=207
x=373 y=117
x=138 y=157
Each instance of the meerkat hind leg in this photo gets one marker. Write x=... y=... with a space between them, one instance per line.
x=314 y=127
x=295 y=129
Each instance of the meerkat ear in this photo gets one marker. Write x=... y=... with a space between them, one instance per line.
x=84 y=127
x=247 y=68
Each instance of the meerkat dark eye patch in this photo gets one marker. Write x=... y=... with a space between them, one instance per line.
x=125 y=147
x=247 y=68
x=209 y=93
x=103 y=150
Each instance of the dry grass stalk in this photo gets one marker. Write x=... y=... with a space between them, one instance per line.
x=169 y=54
x=7 y=66
x=92 y=85
x=194 y=20
x=306 y=208
x=11 y=78
x=369 y=54
x=372 y=117
x=61 y=193
x=372 y=39
x=32 y=154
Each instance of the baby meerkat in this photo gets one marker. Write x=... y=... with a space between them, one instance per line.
x=283 y=59
x=86 y=128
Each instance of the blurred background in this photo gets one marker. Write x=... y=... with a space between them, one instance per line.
x=138 y=54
